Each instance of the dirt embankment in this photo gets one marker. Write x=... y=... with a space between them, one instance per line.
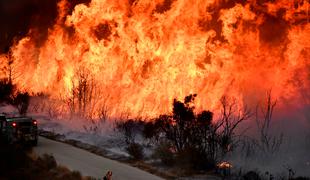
x=19 y=162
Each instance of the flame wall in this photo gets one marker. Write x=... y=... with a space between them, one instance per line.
x=140 y=54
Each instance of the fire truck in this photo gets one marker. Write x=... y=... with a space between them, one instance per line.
x=18 y=129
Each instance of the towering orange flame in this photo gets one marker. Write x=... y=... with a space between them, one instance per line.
x=138 y=55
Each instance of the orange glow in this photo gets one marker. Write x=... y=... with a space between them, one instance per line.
x=137 y=56
x=224 y=165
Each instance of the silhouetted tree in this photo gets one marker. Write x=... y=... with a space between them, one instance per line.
x=196 y=138
x=21 y=102
x=130 y=129
x=6 y=90
x=82 y=93
x=267 y=142
x=230 y=118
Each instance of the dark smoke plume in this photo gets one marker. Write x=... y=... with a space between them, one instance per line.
x=17 y=17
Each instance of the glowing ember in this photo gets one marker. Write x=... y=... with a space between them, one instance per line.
x=136 y=56
x=224 y=165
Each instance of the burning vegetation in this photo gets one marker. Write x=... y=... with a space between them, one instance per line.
x=102 y=60
x=137 y=56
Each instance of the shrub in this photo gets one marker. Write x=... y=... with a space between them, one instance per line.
x=165 y=153
x=149 y=131
x=198 y=141
x=188 y=133
x=6 y=90
x=135 y=150
x=17 y=164
x=251 y=175
x=152 y=131
x=46 y=162
x=12 y=158
x=21 y=102
x=193 y=158
x=130 y=128
x=63 y=173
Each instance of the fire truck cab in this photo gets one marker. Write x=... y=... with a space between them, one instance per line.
x=18 y=130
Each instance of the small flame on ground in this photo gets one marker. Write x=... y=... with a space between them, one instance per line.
x=224 y=165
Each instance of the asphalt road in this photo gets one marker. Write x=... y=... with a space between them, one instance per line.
x=90 y=164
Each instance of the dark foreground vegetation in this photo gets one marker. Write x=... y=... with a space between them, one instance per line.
x=189 y=142
x=18 y=162
x=10 y=95
x=184 y=138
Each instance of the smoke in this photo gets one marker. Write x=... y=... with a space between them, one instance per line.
x=18 y=17
x=293 y=152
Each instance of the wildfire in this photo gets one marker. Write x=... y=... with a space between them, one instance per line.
x=137 y=55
